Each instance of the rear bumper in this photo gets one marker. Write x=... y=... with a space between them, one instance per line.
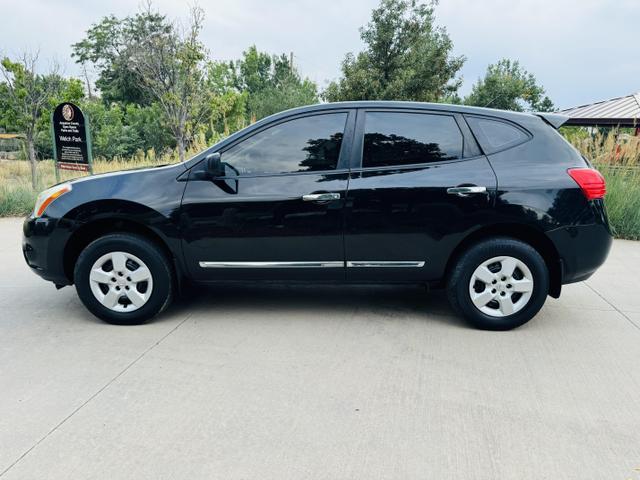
x=582 y=249
x=42 y=249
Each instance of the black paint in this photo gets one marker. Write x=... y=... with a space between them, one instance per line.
x=384 y=213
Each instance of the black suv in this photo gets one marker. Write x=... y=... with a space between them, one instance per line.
x=495 y=206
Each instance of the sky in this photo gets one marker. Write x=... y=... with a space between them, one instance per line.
x=580 y=50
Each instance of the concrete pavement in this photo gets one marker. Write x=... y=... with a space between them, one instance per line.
x=319 y=383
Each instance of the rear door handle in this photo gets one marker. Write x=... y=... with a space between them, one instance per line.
x=321 y=197
x=466 y=191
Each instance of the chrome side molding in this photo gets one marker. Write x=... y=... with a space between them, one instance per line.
x=383 y=264
x=321 y=264
x=272 y=264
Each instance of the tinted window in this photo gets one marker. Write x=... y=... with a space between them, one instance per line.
x=301 y=145
x=494 y=135
x=393 y=138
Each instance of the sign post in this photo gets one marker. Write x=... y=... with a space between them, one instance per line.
x=71 y=139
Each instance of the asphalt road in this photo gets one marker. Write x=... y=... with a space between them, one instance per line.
x=319 y=383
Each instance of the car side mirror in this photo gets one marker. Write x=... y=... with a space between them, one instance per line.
x=215 y=167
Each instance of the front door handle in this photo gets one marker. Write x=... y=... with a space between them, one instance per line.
x=466 y=191
x=321 y=197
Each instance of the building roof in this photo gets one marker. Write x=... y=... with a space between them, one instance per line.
x=621 y=111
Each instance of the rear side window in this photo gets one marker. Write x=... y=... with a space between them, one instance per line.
x=495 y=135
x=304 y=144
x=397 y=138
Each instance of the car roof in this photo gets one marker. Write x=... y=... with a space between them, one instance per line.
x=518 y=117
x=444 y=107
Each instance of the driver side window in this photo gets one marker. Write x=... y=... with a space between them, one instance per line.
x=304 y=144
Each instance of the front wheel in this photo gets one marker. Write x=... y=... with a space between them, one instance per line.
x=123 y=279
x=498 y=284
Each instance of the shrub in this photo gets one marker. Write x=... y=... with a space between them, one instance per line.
x=616 y=154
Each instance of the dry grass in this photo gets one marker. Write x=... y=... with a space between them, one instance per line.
x=614 y=148
x=617 y=156
x=17 y=197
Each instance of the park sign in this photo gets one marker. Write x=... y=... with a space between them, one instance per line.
x=71 y=139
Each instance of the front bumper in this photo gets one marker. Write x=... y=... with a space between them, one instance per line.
x=43 y=249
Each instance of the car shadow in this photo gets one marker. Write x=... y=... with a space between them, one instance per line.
x=381 y=300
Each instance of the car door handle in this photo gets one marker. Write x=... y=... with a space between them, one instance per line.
x=321 y=197
x=466 y=191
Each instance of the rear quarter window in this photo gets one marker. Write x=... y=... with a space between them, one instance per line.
x=496 y=135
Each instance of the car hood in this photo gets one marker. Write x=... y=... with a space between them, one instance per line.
x=179 y=167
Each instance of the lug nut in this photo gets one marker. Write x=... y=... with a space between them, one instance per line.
x=508 y=285
x=120 y=273
x=113 y=279
x=502 y=294
x=493 y=291
x=117 y=288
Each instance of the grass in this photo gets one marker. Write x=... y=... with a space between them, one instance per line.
x=17 y=197
x=623 y=199
x=616 y=155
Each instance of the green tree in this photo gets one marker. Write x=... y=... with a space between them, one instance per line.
x=272 y=83
x=228 y=104
x=29 y=99
x=110 y=135
x=107 y=47
x=169 y=66
x=149 y=125
x=406 y=57
x=508 y=86
x=122 y=131
x=253 y=72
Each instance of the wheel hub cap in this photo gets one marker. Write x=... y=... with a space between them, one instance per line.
x=501 y=286
x=121 y=281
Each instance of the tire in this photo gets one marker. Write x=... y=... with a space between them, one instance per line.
x=144 y=288
x=485 y=302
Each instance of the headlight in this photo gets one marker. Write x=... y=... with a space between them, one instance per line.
x=48 y=196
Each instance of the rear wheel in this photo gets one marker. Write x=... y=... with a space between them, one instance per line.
x=123 y=279
x=498 y=284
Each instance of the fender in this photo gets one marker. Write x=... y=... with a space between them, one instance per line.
x=141 y=201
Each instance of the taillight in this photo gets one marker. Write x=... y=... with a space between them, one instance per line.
x=590 y=181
